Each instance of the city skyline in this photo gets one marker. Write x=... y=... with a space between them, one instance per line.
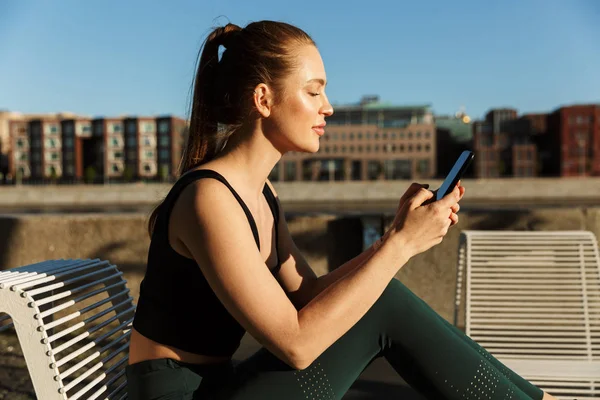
x=138 y=59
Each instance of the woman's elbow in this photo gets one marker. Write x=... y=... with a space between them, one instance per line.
x=299 y=356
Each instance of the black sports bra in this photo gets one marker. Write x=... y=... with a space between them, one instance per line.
x=176 y=306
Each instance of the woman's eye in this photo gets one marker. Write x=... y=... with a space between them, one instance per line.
x=314 y=94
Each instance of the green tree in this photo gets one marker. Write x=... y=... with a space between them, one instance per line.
x=90 y=174
x=127 y=174
x=53 y=175
x=163 y=173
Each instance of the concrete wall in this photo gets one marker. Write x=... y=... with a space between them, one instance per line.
x=325 y=241
x=320 y=196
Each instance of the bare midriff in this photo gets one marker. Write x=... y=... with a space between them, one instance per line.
x=141 y=349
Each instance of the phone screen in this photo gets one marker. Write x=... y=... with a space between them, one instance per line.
x=455 y=173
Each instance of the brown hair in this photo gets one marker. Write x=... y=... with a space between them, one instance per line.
x=262 y=52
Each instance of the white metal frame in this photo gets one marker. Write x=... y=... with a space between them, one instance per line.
x=533 y=301
x=72 y=319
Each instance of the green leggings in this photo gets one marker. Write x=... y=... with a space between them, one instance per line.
x=430 y=354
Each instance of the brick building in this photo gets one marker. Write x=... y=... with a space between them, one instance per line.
x=71 y=148
x=573 y=138
x=368 y=141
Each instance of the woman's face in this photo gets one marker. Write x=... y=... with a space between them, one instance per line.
x=297 y=118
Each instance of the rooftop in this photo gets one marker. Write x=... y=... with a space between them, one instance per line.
x=372 y=102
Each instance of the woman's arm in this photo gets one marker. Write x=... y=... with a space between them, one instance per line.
x=296 y=276
x=323 y=281
x=214 y=228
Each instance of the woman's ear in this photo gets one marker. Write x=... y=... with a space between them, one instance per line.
x=263 y=99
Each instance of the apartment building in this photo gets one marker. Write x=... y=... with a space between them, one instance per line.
x=72 y=148
x=574 y=138
x=565 y=142
x=503 y=146
x=370 y=140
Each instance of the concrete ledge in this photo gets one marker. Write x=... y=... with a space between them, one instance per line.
x=320 y=196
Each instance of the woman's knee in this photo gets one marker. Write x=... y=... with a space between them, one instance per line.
x=397 y=300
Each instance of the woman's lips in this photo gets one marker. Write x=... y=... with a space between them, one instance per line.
x=319 y=130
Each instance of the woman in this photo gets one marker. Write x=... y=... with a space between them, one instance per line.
x=222 y=261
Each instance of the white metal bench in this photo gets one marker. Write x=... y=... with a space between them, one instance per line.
x=72 y=319
x=533 y=301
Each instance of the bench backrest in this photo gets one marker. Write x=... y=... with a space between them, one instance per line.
x=72 y=319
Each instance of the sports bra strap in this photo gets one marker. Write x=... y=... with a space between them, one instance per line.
x=192 y=176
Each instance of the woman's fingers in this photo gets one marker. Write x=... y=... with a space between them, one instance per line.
x=454 y=219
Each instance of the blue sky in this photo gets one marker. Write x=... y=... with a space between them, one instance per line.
x=137 y=57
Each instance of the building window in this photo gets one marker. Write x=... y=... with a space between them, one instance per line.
x=149 y=153
x=344 y=136
x=116 y=127
x=163 y=154
x=148 y=127
x=148 y=141
x=360 y=136
x=394 y=135
x=86 y=128
x=351 y=136
x=51 y=129
x=147 y=168
x=376 y=135
x=427 y=135
x=368 y=135
x=427 y=147
x=131 y=128
x=423 y=167
x=418 y=135
x=163 y=127
x=68 y=129
x=419 y=147
x=118 y=155
x=384 y=135
x=51 y=143
x=290 y=170
x=115 y=142
x=131 y=141
x=410 y=148
x=410 y=135
x=402 y=135
x=51 y=171
x=52 y=156
x=20 y=143
x=164 y=141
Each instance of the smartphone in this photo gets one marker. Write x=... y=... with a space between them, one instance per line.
x=460 y=166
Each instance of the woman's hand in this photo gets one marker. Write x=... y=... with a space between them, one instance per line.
x=414 y=188
x=419 y=226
